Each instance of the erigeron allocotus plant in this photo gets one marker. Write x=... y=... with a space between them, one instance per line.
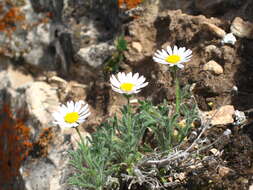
x=176 y=58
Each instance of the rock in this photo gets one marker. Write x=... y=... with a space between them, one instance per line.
x=229 y=39
x=242 y=180
x=42 y=101
x=34 y=56
x=49 y=171
x=137 y=46
x=214 y=29
x=212 y=51
x=46 y=167
x=224 y=171
x=58 y=80
x=221 y=116
x=228 y=55
x=215 y=152
x=96 y=55
x=214 y=67
x=241 y=28
x=16 y=79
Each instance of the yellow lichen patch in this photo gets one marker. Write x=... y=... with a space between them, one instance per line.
x=14 y=146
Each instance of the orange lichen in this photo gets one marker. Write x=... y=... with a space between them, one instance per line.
x=129 y=4
x=10 y=17
x=14 y=147
x=40 y=147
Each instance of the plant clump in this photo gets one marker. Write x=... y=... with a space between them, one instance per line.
x=113 y=152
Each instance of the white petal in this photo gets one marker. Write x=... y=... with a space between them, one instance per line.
x=117 y=90
x=136 y=76
x=175 y=50
x=129 y=75
x=77 y=107
x=114 y=81
x=188 y=52
x=140 y=80
x=85 y=116
x=121 y=77
x=181 y=66
x=71 y=106
x=143 y=85
x=181 y=50
x=159 y=56
x=83 y=109
x=160 y=61
x=169 y=50
x=164 y=53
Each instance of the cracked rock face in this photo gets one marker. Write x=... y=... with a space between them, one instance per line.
x=46 y=163
x=96 y=55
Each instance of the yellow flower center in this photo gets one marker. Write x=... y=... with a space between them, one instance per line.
x=127 y=87
x=71 y=117
x=173 y=59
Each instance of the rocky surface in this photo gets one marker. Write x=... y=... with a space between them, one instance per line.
x=214 y=67
x=57 y=53
x=241 y=28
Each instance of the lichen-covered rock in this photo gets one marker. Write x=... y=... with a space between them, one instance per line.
x=96 y=55
x=41 y=162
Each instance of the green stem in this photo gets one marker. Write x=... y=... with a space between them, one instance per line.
x=128 y=96
x=80 y=136
x=177 y=90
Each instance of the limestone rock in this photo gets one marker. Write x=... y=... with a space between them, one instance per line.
x=221 y=116
x=212 y=51
x=214 y=67
x=95 y=55
x=15 y=78
x=224 y=171
x=42 y=100
x=241 y=28
x=214 y=29
x=137 y=46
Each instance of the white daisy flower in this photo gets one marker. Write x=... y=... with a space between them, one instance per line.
x=173 y=57
x=72 y=114
x=127 y=83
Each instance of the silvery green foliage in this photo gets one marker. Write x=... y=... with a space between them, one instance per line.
x=121 y=142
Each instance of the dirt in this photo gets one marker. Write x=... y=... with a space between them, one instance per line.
x=156 y=30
